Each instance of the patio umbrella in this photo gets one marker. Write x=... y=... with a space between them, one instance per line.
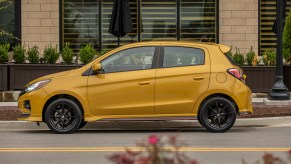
x=121 y=22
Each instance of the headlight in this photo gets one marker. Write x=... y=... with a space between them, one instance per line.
x=36 y=86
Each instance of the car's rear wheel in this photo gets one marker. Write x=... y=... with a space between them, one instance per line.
x=217 y=114
x=63 y=116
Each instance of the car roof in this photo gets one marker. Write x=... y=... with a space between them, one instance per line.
x=223 y=48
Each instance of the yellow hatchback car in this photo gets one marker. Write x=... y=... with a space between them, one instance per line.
x=143 y=81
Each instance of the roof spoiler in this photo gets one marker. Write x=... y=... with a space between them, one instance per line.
x=224 y=49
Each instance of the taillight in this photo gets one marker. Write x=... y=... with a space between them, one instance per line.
x=236 y=73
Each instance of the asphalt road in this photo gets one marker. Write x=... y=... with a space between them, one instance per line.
x=94 y=144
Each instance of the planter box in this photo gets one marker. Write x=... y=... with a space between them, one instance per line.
x=3 y=77
x=261 y=78
x=21 y=74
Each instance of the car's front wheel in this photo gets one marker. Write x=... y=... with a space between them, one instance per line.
x=63 y=116
x=217 y=114
x=83 y=123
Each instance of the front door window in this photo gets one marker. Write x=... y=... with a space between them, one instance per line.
x=129 y=60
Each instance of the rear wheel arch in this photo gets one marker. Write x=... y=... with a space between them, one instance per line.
x=217 y=95
x=55 y=97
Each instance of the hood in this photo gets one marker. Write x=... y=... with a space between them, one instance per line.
x=51 y=76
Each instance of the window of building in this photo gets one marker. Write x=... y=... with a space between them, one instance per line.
x=10 y=21
x=182 y=56
x=158 y=20
x=267 y=17
x=80 y=23
x=87 y=21
x=198 y=20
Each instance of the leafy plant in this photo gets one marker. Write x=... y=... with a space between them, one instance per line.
x=87 y=54
x=238 y=57
x=156 y=150
x=103 y=51
x=33 y=55
x=4 y=52
x=269 y=57
x=51 y=54
x=230 y=54
x=250 y=56
x=287 y=38
x=67 y=54
x=19 y=54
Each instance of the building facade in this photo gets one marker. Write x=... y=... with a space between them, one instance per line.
x=241 y=24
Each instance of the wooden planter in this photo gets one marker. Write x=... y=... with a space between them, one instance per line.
x=3 y=77
x=21 y=74
x=261 y=78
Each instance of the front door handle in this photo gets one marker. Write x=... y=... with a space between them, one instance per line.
x=198 y=77
x=144 y=82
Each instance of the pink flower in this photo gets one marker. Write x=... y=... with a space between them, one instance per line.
x=153 y=139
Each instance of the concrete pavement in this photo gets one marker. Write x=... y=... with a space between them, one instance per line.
x=30 y=144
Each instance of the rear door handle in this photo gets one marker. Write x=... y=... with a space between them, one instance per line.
x=198 y=77
x=144 y=82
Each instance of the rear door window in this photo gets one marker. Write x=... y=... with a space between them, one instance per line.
x=182 y=56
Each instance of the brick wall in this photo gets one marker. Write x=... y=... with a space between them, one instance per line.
x=238 y=24
x=40 y=23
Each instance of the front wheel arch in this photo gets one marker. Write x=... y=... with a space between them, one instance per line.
x=50 y=100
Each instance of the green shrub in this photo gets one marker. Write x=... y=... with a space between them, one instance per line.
x=33 y=55
x=250 y=56
x=269 y=57
x=51 y=54
x=287 y=38
x=67 y=54
x=4 y=52
x=103 y=51
x=19 y=54
x=230 y=54
x=87 y=54
x=238 y=57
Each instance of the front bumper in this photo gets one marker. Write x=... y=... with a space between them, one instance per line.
x=36 y=100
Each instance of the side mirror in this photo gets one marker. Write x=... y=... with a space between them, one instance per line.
x=96 y=67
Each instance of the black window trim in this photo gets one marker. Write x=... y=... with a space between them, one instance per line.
x=161 y=57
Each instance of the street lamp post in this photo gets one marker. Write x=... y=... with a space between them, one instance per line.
x=279 y=91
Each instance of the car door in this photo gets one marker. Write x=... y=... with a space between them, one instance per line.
x=182 y=76
x=126 y=84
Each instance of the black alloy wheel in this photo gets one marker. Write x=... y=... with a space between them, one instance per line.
x=63 y=116
x=217 y=114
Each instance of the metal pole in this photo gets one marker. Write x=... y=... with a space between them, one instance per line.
x=279 y=91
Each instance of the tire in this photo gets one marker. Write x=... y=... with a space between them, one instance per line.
x=198 y=119
x=83 y=123
x=217 y=114
x=63 y=116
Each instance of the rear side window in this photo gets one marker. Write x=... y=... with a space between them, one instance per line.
x=182 y=56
